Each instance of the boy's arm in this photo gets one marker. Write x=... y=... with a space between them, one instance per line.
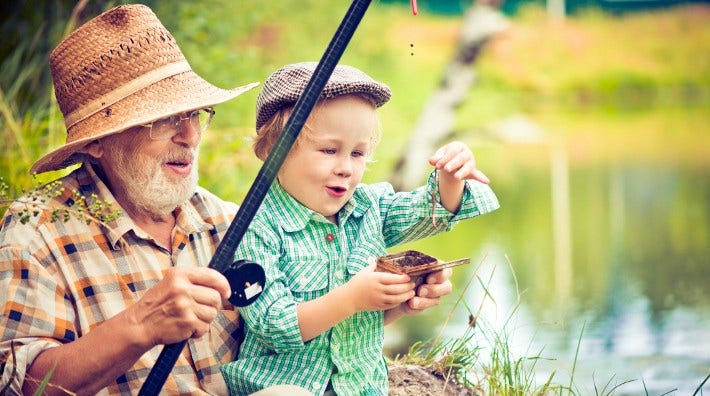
x=455 y=163
x=367 y=291
x=455 y=191
x=321 y=314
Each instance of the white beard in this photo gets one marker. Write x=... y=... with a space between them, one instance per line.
x=144 y=182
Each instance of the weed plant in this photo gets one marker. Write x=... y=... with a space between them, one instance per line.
x=481 y=359
x=668 y=66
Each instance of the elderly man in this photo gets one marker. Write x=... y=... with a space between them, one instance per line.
x=91 y=305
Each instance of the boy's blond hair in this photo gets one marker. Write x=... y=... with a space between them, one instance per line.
x=269 y=132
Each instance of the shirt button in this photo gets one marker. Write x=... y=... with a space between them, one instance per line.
x=329 y=237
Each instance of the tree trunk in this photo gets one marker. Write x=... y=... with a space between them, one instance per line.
x=480 y=23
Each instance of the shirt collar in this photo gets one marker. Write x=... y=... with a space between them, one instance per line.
x=188 y=220
x=294 y=216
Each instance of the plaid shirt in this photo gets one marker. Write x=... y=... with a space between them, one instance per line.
x=305 y=256
x=59 y=280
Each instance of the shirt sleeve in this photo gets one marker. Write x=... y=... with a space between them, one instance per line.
x=272 y=318
x=35 y=315
x=409 y=216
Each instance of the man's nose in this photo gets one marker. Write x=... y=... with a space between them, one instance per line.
x=187 y=133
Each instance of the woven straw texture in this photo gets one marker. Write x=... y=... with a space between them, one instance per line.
x=119 y=70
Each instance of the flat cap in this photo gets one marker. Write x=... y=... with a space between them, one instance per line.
x=285 y=86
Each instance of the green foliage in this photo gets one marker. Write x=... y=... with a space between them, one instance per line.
x=481 y=358
x=647 y=58
x=586 y=61
x=30 y=123
x=451 y=358
x=45 y=381
x=35 y=202
x=590 y=62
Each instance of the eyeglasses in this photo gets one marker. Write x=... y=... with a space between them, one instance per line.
x=166 y=128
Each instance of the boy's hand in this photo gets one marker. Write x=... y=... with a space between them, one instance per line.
x=456 y=164
x=370 y=290
x=435 y=286
x=456 y=161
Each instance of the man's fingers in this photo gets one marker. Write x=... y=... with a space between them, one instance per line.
x=211 y=278
x=439 y=276
x=420 y=304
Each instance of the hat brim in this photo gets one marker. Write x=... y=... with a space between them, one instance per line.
x=176 y=94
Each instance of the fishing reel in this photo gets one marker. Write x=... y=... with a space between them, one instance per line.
x=247 y=280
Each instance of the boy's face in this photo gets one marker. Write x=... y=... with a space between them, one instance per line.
x=322 y=170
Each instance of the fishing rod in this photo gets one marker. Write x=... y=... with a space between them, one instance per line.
x=246 y=278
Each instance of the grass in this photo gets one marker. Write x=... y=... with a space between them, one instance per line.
x=81 y=207
x=481 y=359
x=31 y=120
x=498 y=373
x=42 y=384
x=584 y=63
x=591 y=63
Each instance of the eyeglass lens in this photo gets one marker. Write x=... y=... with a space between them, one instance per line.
x=169 y=126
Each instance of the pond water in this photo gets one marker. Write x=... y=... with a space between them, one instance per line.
x=601 y=250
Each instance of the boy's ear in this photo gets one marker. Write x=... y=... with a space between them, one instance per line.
x=94 y=149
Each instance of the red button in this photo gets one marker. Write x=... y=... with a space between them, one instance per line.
x=329 y=237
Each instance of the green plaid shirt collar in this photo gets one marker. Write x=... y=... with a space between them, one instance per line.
x=296 y=215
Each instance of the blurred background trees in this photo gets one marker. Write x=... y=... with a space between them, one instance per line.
x=594 y=129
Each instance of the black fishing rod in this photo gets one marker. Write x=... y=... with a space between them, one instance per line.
x=246 y=278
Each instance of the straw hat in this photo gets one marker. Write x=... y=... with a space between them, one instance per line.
x=119 y=70
x=285 y=86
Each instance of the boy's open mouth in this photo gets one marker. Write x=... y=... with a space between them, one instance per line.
x=337 y=189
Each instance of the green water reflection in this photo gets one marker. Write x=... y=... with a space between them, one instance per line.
x=628 y=259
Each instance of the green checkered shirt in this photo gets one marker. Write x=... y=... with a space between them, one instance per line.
x=305 y=256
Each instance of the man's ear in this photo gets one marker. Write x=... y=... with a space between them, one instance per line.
x=93 y=149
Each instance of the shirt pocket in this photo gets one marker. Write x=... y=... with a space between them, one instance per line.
x=306 y=275
x=363 y=255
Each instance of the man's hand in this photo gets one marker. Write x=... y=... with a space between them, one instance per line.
x=180 y=306
x=436 y=285
x=428 y=294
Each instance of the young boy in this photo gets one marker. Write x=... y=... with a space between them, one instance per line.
x=319 y=321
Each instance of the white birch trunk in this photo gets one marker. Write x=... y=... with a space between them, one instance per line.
x=436 y=122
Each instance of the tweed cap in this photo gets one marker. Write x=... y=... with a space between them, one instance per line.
x=119 y=70
x=285 y=86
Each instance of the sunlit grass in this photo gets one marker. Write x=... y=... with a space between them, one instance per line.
x=659 y=54
x=601 y=54
x=483 y=359
x=599 y=68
